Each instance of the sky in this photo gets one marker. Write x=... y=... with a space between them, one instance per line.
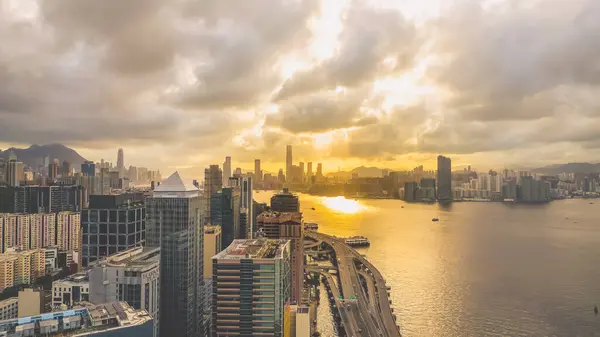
x=180 y=84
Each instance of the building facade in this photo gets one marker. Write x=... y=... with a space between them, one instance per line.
x=444 y=178
x=71 y=290
x=132 y=276
x=9 y=308
x=251 y=286
x=287 y=226
x=174 y=218
x=225 y=208
x=112 y=224
x=285 y=202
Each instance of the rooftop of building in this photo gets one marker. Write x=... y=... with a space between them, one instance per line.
x=212 y=229
x=279 y=217
x=123 y=200
x=95 y=318
x=176 y=187
x=253 y=249
x=134 y=257
x=79 y=278
x=9 y=301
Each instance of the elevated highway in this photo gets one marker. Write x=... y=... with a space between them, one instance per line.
x=371 y=316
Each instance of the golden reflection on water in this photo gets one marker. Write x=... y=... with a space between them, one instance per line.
x=343 y=205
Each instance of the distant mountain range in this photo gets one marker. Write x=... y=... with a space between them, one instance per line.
x=33 y=155
x=569 y=168
x=362 y=172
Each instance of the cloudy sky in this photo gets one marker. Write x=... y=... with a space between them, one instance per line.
x=180 y=84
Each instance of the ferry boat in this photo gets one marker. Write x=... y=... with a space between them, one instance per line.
x=311 y=226
x=357 y=241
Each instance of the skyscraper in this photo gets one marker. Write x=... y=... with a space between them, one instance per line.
x=53 y=169
x=287 y=226
x=88 y=168
x=174 y=223
x=301 y=171
x=66 y=169
x=213 y=183
x=258 y=308
x=120 y=159
x=444 y=178
x=14 y=173
x=225 y=211
x=288 y=163
x=257 y=171
x=309 y=172
x=319 y=170
x=226 y=171
x=248 y=205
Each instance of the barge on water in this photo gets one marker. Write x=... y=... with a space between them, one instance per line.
x=357 y=241
x=311 y=226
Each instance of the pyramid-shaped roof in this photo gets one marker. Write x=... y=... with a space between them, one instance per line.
x=175 y=184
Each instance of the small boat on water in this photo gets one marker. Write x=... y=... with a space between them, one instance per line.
x=357 y=241
x=313 y=208
x=596 y=310
x=435 y=219
x=401 y=206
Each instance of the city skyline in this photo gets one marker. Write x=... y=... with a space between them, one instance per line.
x=303 y=78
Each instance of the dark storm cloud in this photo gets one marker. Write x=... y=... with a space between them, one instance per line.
x=369 y=37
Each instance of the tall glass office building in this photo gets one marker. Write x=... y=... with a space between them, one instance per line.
x=174 y=223
x=251 y=287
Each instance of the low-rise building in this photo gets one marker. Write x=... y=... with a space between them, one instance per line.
x=116 y=319
x=9 y=308
x=71 y=290
x=133 y=276
x=32 y=302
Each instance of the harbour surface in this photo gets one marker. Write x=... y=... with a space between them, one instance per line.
x=484 y=269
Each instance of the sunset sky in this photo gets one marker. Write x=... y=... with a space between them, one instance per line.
x=181 y=84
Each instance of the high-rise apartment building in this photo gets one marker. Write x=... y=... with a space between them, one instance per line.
x=27 y=231
x=226 y=171
x=251 y=286
x=68 y=231
x=225 y=211
x=41 y=199
x=287 y=226
x=288 y=164
x=444 y=178
x=9 y=308
x=21 y=267
x=258 y=176
x=285 y=202
x=174 y=223
x=115 y=319
x=131 y=276
x=112 y=224
x=14 y=173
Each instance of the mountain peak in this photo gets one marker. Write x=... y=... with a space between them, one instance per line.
x=33 y=155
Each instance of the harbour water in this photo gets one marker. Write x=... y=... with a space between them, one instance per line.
x=484 y=269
